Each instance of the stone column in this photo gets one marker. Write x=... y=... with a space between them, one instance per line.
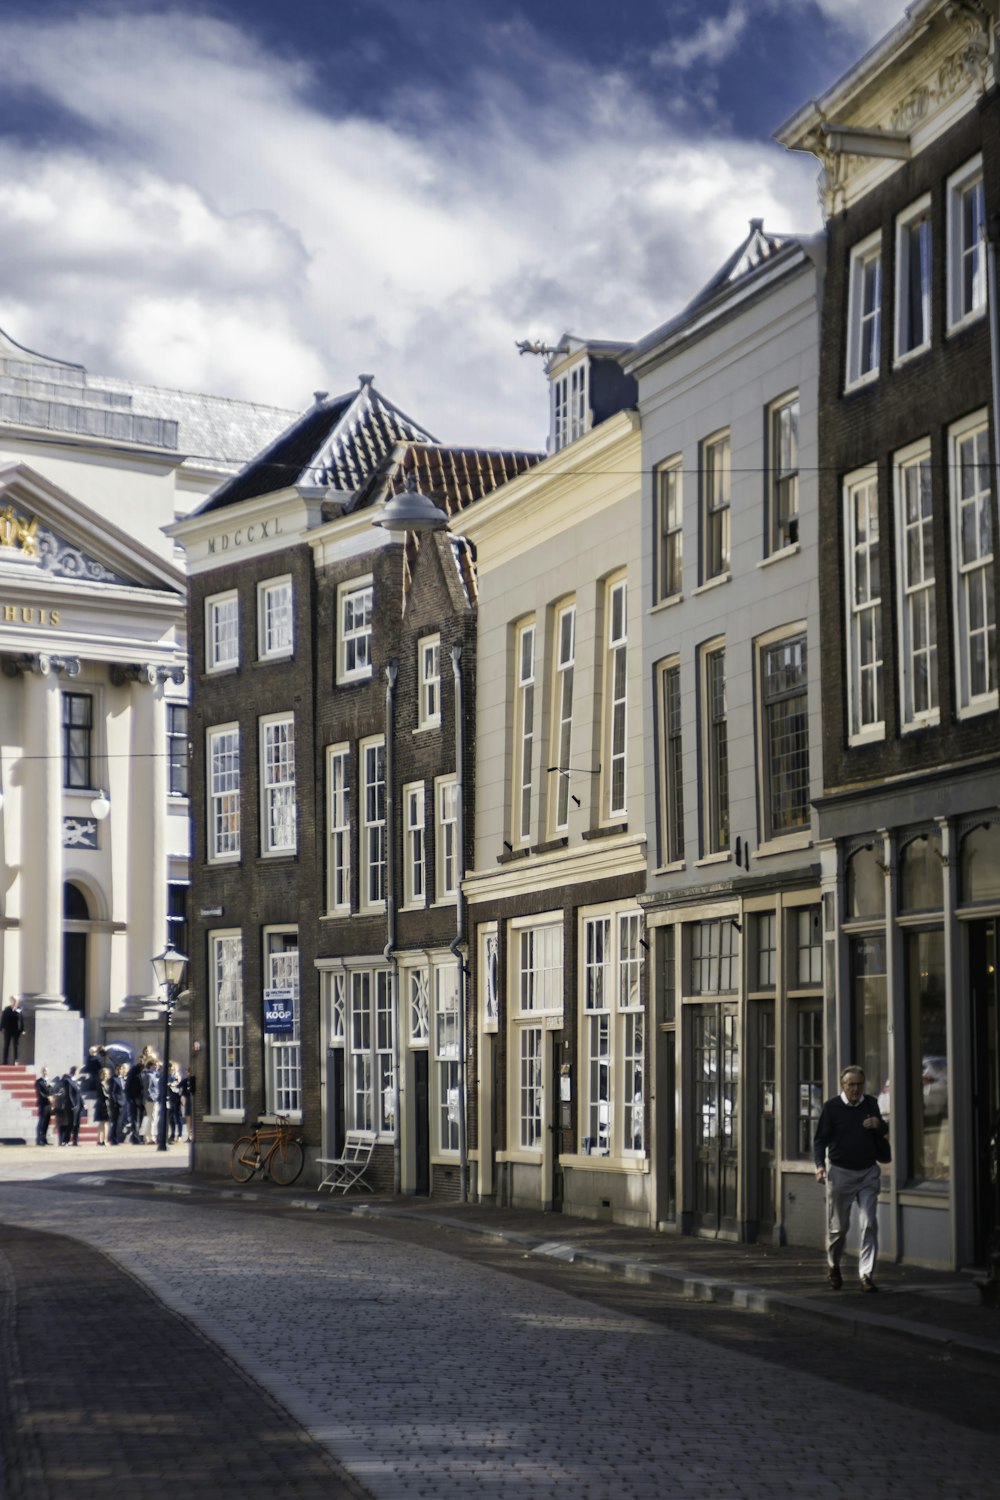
x=42 y=833
x=147 y=831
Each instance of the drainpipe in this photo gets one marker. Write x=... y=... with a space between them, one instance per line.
x=389 y=951
x=460 y=936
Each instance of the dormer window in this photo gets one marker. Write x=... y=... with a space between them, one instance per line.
x=570 y=406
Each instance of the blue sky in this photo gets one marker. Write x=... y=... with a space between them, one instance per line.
x=267 y=199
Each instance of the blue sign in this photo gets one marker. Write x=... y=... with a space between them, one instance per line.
x=279 y=1012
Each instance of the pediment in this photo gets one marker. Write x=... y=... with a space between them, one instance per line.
x=47 y=533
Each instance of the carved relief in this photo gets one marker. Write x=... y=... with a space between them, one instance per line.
x=63 y=561
x=18 y=532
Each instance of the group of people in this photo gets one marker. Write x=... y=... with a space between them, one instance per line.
x=127 y=1100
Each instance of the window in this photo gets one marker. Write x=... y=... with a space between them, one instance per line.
x=524 y=732
x=371 y=1080
x=612 y=1109
x=338 y=763
x=669 y=512
x=764 y=969
x=785 y=722
x=917 y=612
x=540 y=967
x=616 y=693
x=415 y=857
x=715 y=482
x=78 y=739
x=446 y=840
x=274 y=618
x=429 y=663
x=913 y=280
x=921 y=874
x=866 y=883
x=714 y=957
x=177 y=749
x=489 y=977
x=177 y=916
x=808 y=1074
x=224 y=792
x=807 y=947
x=418 y=989
x=870 y=1011
x=783 y=473
x=355 y=642
x=222 y=632
x=966 y=245
x=277 y=785
x=529 y=1088
x=225 y=952
x=716 y=752
x=283 y=1051
x=535 y=973
x=562 y=711
x=864 y=325
x=373 y=823
x=927 y=1070
x=447 y=1055
x=672 y=769
x=972 y=547
x=864 y=608
x=569 y=406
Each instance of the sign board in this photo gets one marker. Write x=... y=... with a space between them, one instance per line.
x=279 y=1012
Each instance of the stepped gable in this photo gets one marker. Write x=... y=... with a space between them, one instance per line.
x=339 y=444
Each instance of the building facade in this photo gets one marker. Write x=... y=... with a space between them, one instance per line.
x=909 y=820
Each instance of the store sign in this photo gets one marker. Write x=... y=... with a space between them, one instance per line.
x=279 y=1012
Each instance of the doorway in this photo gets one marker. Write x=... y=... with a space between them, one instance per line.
x=984 y=949
x=715 y=1061
x=76 y=918
x=421 y=1124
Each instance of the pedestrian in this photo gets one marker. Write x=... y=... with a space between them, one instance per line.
x=175 y=1103
x=59 y=1116
x=133 y=1093
x=150 y=1101
x=119 y=1105
x=12 y=1026
x=43 y=1093
x=849 y=1133
x=73 y=1107
x=102 y=1109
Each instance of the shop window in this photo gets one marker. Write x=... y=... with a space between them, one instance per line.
x=921 y=874
x=865 y=884
x=927 y=1063
x=870 y=1013
x=980 y=867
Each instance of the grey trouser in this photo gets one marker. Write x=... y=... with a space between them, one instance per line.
x=844 y=1188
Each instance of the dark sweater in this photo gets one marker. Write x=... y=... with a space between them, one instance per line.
x=841 y=1130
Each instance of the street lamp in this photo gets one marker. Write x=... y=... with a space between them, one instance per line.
x=168 y=967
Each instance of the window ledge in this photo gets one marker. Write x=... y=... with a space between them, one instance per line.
x=222 y=861
x=610 y=831
x=914 y=726
x=984 y=706
x=509 y=855
x=713 y=583
x=670 y=869
x=902 y=360
x=341 y=914
x=226 y=671
x=718 y=858
x=779 y=554
x=527 y=1157
x=423 y=728
x=667 y=603
x=781 y=845
x=585 y=1162
x=862 y=382
x=279 y=857
x=873 y=736
x=354 y=679
x=239 y=1119
x=444 y=901
x=409 y=907
x=966 y=321
x=561 y=841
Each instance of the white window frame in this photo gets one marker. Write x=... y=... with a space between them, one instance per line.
x=863 y=616
x=225 y=979
x=222 y=631
x=716 y=480
x=447 y=1051
x=223 y=800
x=338 y=814
x=429 y=684
x=769 y=695
x=447 y=860
x=614 y=761
x=373 y=824
x=783 y=473
x=535 y=984
x=283 y=1054
x=355 y=612
x=489 y=976
x=278 y=810
x=570 y=404
x=866 y=254
x=369 y=1049
x=917 y=216
x=275 y=620
x=416 y=979
x=671 y=777
x=563 y=668
x=716 y=823
x=612 y=1032
x=962 y=309
x=915 y=595
x=668 y=512
x=415 y=846
x=974 y=577
x=522 y=791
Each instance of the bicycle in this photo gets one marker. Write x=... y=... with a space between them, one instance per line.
x=271 y=1149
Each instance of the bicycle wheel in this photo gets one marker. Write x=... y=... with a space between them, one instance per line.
x=286 y=1161
x=244 y=1160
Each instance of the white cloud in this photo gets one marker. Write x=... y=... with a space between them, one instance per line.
x=712 y=42
x=227 y=235
x=868 y=20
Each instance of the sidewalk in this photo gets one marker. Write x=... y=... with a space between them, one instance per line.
x=942 y=1309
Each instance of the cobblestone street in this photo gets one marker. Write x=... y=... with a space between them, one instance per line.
x=426 y=1375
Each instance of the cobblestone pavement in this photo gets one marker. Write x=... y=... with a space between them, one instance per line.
x=427 y=1375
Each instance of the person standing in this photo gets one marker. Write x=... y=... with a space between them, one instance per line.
x=102 y=1108
x=43 y=1093
x=151 y=1101
x=12 y=1025
x=850 y=1126
x=119 y=1105
x=73 y=1106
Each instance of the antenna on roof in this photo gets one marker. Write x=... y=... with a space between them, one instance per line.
x=364 y=380
x=320 y=396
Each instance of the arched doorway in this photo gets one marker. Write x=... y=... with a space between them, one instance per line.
x=76 y=912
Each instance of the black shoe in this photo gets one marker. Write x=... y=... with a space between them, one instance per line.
x=867 y=1285
x=834 y=1277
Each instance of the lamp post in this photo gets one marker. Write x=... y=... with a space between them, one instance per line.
x=168 y=967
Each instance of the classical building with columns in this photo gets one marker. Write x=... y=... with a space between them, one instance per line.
x=94 y=837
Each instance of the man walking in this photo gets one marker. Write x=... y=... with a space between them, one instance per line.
x=849 y=1128
x=12 y=1026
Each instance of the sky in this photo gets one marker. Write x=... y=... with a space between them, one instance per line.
x=266 y=199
